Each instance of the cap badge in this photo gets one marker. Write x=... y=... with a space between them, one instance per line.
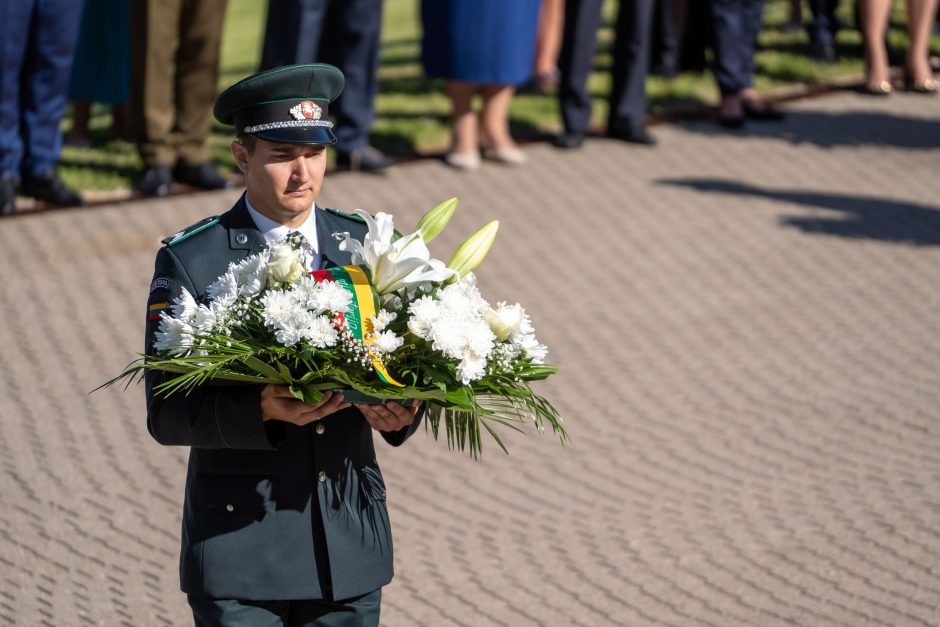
x=306 y=110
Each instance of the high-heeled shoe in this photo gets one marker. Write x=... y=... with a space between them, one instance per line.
x=878 y=88
x=506 y=154
x=463 y=160
x=927 y=86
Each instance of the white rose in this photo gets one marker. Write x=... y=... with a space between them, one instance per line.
x=505 y=319
x=284 y=264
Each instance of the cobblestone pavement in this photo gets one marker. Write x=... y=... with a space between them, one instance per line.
x=748 y=330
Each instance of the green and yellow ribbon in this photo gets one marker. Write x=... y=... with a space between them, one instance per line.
x=363 y=307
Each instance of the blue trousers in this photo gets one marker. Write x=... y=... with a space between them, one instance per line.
x=823 y=27
x=37 y=41
x=361 y=611
x=344 y=33
x=736 y=25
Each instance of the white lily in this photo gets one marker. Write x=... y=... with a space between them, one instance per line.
x=393 y=264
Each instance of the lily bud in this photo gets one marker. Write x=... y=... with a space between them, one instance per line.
x=436 y=219
x=472 y=252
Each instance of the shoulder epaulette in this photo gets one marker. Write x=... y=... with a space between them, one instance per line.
x=348 y=216
x=189 y=231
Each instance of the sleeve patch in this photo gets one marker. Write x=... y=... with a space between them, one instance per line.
x=154 y=311
x=160 y=283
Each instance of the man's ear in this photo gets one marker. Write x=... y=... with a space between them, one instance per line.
x=240 y=153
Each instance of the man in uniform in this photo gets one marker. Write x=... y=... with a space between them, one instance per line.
x=284 y=520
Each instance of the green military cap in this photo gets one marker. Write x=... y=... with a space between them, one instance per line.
x=287 y=104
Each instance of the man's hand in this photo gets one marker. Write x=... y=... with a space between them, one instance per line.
x=277 y=403
x=389 y=417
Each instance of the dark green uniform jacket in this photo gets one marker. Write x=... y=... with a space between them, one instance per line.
x=272 y=511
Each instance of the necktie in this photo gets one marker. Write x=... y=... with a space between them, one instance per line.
x=298 y=242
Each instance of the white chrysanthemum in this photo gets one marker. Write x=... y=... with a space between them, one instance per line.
x=184 y=306
x=531 y=347
x=294 y=326
x=332 y=296
x=382 y=319
x=224 y=290
x=471 y=368
x=463 y=296
x=424 y=312
x=306 y=293
x=251 y=275
x=277 y=306
x=204 y=320
x=387 y=342
x=174 y=336
x=321 y=333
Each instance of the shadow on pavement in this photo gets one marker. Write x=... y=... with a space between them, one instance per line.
x=839 y=129
x=863 y=217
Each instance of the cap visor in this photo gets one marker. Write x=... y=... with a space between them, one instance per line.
x=298 y=135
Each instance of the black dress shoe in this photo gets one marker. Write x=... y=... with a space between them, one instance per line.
x=823 y=52
x=640 y=137
x=156 y=181
x=763 y=112
x=568 y=141
x=49 y=188
x=202 y=175
x=7 y=194
x=365 y=159
x=731 y=121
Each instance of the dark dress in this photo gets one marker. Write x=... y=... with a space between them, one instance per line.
x=479 y=41
x=101 y=71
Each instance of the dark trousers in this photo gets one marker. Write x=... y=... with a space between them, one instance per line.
x=824 y=25
x=666 y=37
x=360 y=611
x=37 y=42
x=736 y=25
x=175 y=61
x=630 y=64
x=344 y=33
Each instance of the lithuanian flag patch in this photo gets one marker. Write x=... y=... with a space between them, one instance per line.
x=154 y=311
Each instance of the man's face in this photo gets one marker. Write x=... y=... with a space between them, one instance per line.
x=283 y=180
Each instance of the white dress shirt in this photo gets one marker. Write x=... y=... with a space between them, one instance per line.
x=274 y=231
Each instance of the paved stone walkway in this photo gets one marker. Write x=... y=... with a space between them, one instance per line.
x=755 y=412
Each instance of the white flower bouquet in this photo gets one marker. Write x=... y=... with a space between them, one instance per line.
x=398 y=324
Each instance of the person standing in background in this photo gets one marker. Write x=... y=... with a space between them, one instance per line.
x=102 y=68
x=37 y=41
x=631 y=54
x=485 y=46
x=736 y=24
x=175 y=60
x=874 y=16
x=346 y=34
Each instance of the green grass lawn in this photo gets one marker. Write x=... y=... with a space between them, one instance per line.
x=412 y=111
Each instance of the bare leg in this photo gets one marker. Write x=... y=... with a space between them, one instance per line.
x=496 y=101
x=874 y=14
x=548 y=42
x=920 y=17
x=463 y=118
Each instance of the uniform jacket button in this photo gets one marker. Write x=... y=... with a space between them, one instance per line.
x=230 y=508
x=321 y=476
x=241 y=238
x=320 y=429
